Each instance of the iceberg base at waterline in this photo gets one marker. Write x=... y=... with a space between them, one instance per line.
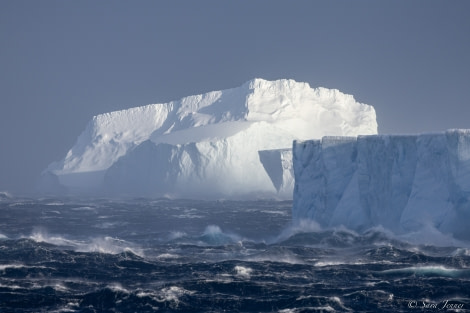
x=404 y=183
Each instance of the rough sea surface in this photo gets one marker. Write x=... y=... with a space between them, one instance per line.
x=164 y=255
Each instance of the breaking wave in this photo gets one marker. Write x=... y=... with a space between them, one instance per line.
x=240 y=257
x=105 y=244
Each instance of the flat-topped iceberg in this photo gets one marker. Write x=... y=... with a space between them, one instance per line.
x=207 y=146
x=401 y=182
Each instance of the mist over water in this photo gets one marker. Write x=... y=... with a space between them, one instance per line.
x=68 y=255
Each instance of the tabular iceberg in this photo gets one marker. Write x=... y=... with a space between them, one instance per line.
x=209 y=145
x=403 y=183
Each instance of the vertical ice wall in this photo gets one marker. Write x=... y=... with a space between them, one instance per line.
x=278 y=165
x=403 y=183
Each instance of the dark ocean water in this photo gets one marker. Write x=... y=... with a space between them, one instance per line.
x=217 y=256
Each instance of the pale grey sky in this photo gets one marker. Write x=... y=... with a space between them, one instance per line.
x=61 y=62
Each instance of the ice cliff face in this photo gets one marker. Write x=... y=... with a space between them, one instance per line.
x=403 y=183
x=208 y=145
x=278 y=165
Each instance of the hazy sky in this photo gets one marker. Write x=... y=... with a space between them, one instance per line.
x=61 y=62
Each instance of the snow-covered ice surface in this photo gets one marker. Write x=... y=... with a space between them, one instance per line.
x=160 y=255
x=205 y=145
x=415 y=185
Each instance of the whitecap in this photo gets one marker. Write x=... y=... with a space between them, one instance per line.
x=428 y=271
x=170 y=294
x=176 y=235
x=117 y=287
x=283 y=213
x=69 y=307
x=107 y=225
x=106 y=244
x=173 y=293
x=167 y=256
x=12 y=205
x=244 y=272
x=213 y=235
x=430 y=235
x=83 y=208
x=188 y=215
x=10 y=286
x=41 y=235
x=59 y=287
x=3 y=267
x=55 y=203
x=458 y=252
x=328 y=263
x=5 y=195
x=110 y=245
x=282 y=257
x=300 y=226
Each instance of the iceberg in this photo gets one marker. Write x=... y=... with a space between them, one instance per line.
x=278 y=165
x=400 y=182
x=213 y=145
